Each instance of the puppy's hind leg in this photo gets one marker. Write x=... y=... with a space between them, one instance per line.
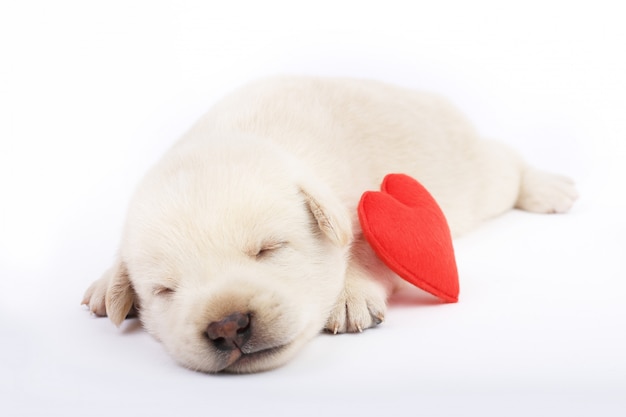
x=507 y=182
x=544 y=192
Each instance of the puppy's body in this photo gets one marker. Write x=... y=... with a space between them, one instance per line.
x=243 y=242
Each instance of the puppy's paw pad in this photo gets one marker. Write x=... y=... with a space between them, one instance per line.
x=360 y=307
x=543 y=192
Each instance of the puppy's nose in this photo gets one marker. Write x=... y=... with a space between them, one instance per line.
x=232 y=332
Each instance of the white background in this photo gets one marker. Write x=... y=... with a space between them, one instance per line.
x=92 y=93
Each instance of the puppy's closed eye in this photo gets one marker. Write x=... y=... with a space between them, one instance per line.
x=162 y=291
x=268 y=249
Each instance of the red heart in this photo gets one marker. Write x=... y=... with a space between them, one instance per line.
x=408 y=231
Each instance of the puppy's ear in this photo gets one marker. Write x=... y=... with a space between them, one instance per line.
x=120 y=296
x=331 y=215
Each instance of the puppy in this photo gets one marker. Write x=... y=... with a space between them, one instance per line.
x=243 y=242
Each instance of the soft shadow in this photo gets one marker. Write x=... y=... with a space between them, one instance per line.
x=412 y=297
x=130 y=326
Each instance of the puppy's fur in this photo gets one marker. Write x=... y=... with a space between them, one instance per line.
x=250 y=220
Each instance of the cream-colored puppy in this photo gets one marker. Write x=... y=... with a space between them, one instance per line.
x=243 y=243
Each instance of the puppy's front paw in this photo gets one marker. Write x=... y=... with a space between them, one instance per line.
x=94 y=297
x=362 y=305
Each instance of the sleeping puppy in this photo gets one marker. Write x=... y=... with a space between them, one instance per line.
x=243 y=242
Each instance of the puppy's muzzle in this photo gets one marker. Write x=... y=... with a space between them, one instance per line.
x=232 y=332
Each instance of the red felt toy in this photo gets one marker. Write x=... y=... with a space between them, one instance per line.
x=408 y=231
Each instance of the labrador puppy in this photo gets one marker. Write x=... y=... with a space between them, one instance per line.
x=243 y=242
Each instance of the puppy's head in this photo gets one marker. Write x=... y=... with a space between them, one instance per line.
x=235 y=255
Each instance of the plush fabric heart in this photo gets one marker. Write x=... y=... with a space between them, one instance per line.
x=408 y=231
